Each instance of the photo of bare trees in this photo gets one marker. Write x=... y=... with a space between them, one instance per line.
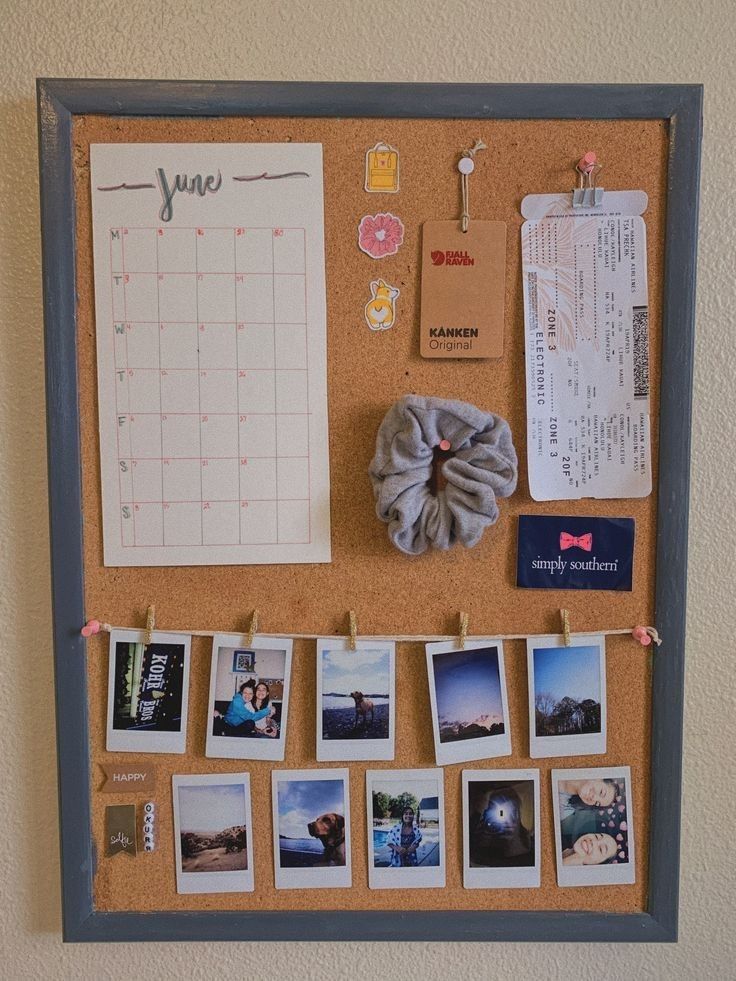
x=567 y=687
x=567 y=716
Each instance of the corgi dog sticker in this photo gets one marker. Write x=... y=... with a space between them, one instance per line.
x=380 y=310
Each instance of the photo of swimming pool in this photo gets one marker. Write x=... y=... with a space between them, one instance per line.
x=428 y=852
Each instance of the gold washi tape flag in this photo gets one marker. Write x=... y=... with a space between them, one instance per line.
x=120 y=829
x=382 y=169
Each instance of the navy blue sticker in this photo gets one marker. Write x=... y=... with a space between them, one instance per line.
x=562 y=552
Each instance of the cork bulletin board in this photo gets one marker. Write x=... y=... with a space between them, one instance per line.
x=648 y=139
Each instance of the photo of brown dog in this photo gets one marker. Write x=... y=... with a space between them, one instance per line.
x=311 y=828
x=355 y=700
x=363 y=706
x=330 y=830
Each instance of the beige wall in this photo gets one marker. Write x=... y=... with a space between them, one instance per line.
x=452 y=40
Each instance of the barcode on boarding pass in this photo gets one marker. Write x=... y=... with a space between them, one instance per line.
x=641 y=352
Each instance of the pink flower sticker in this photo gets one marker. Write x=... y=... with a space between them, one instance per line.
x=380 y=235
x=621 y=808
x=611 y=824
x=622 y=854
x=624 y=826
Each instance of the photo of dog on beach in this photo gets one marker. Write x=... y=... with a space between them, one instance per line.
x=355 y=701
x=311 y=828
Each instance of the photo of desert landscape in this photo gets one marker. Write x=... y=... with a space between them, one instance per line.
x=213 y=832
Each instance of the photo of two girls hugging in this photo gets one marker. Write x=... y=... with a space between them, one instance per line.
x=250 y=713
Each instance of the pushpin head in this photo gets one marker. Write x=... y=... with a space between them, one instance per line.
x=465 y=165
x=445 y=445
x=91 y=628
x=642 y=635
x=587 y=162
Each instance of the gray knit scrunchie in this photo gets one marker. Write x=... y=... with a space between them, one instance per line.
x=483 y=467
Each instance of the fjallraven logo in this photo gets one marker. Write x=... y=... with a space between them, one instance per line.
x=451 y=258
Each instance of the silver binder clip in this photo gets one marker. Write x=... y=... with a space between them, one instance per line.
x=586 y=194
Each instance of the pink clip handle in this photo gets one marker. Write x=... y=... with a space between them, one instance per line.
x=642 y=635
x=587 y=162
x=91 y=628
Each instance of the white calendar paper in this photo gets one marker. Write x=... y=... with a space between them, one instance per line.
x=211 y=353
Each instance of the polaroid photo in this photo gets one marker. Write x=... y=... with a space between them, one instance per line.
x=594 y=826
x=213 y=832
x=406 y=828
x=567 y=696
x=249 y=698
x=355 y=700
x=311 y=828
x=501 y=829
x=147 y=693
x=467 y=690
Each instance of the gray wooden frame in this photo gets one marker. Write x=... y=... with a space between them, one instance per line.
x=59 y=100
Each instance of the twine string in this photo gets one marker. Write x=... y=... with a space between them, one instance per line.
x=401 y=638
x=465 y=184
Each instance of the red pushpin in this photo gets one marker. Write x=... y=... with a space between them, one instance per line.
x=642 y=635
x=91 y=628
x=445 y=445
x=587 y=162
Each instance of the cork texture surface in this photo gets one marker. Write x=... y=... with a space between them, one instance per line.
x=391 y=593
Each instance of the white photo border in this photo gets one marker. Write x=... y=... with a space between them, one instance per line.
x=415 y=877
x=484 y=747
x=528 y=877
x=595 y=875
x=188 y=883
x=583 y=744
x=344 y=750
x=335 y=877
x=146 y=741
x=234 y=747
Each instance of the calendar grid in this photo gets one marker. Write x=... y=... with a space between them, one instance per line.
x=251 y=441
x=199 y=388
x=117 y=409
x=127 y=374
x=309 y=418
x=160 y=391
x=237 y=366
x=273 y=296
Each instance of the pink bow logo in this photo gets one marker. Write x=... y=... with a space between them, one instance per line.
x=571 y=541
